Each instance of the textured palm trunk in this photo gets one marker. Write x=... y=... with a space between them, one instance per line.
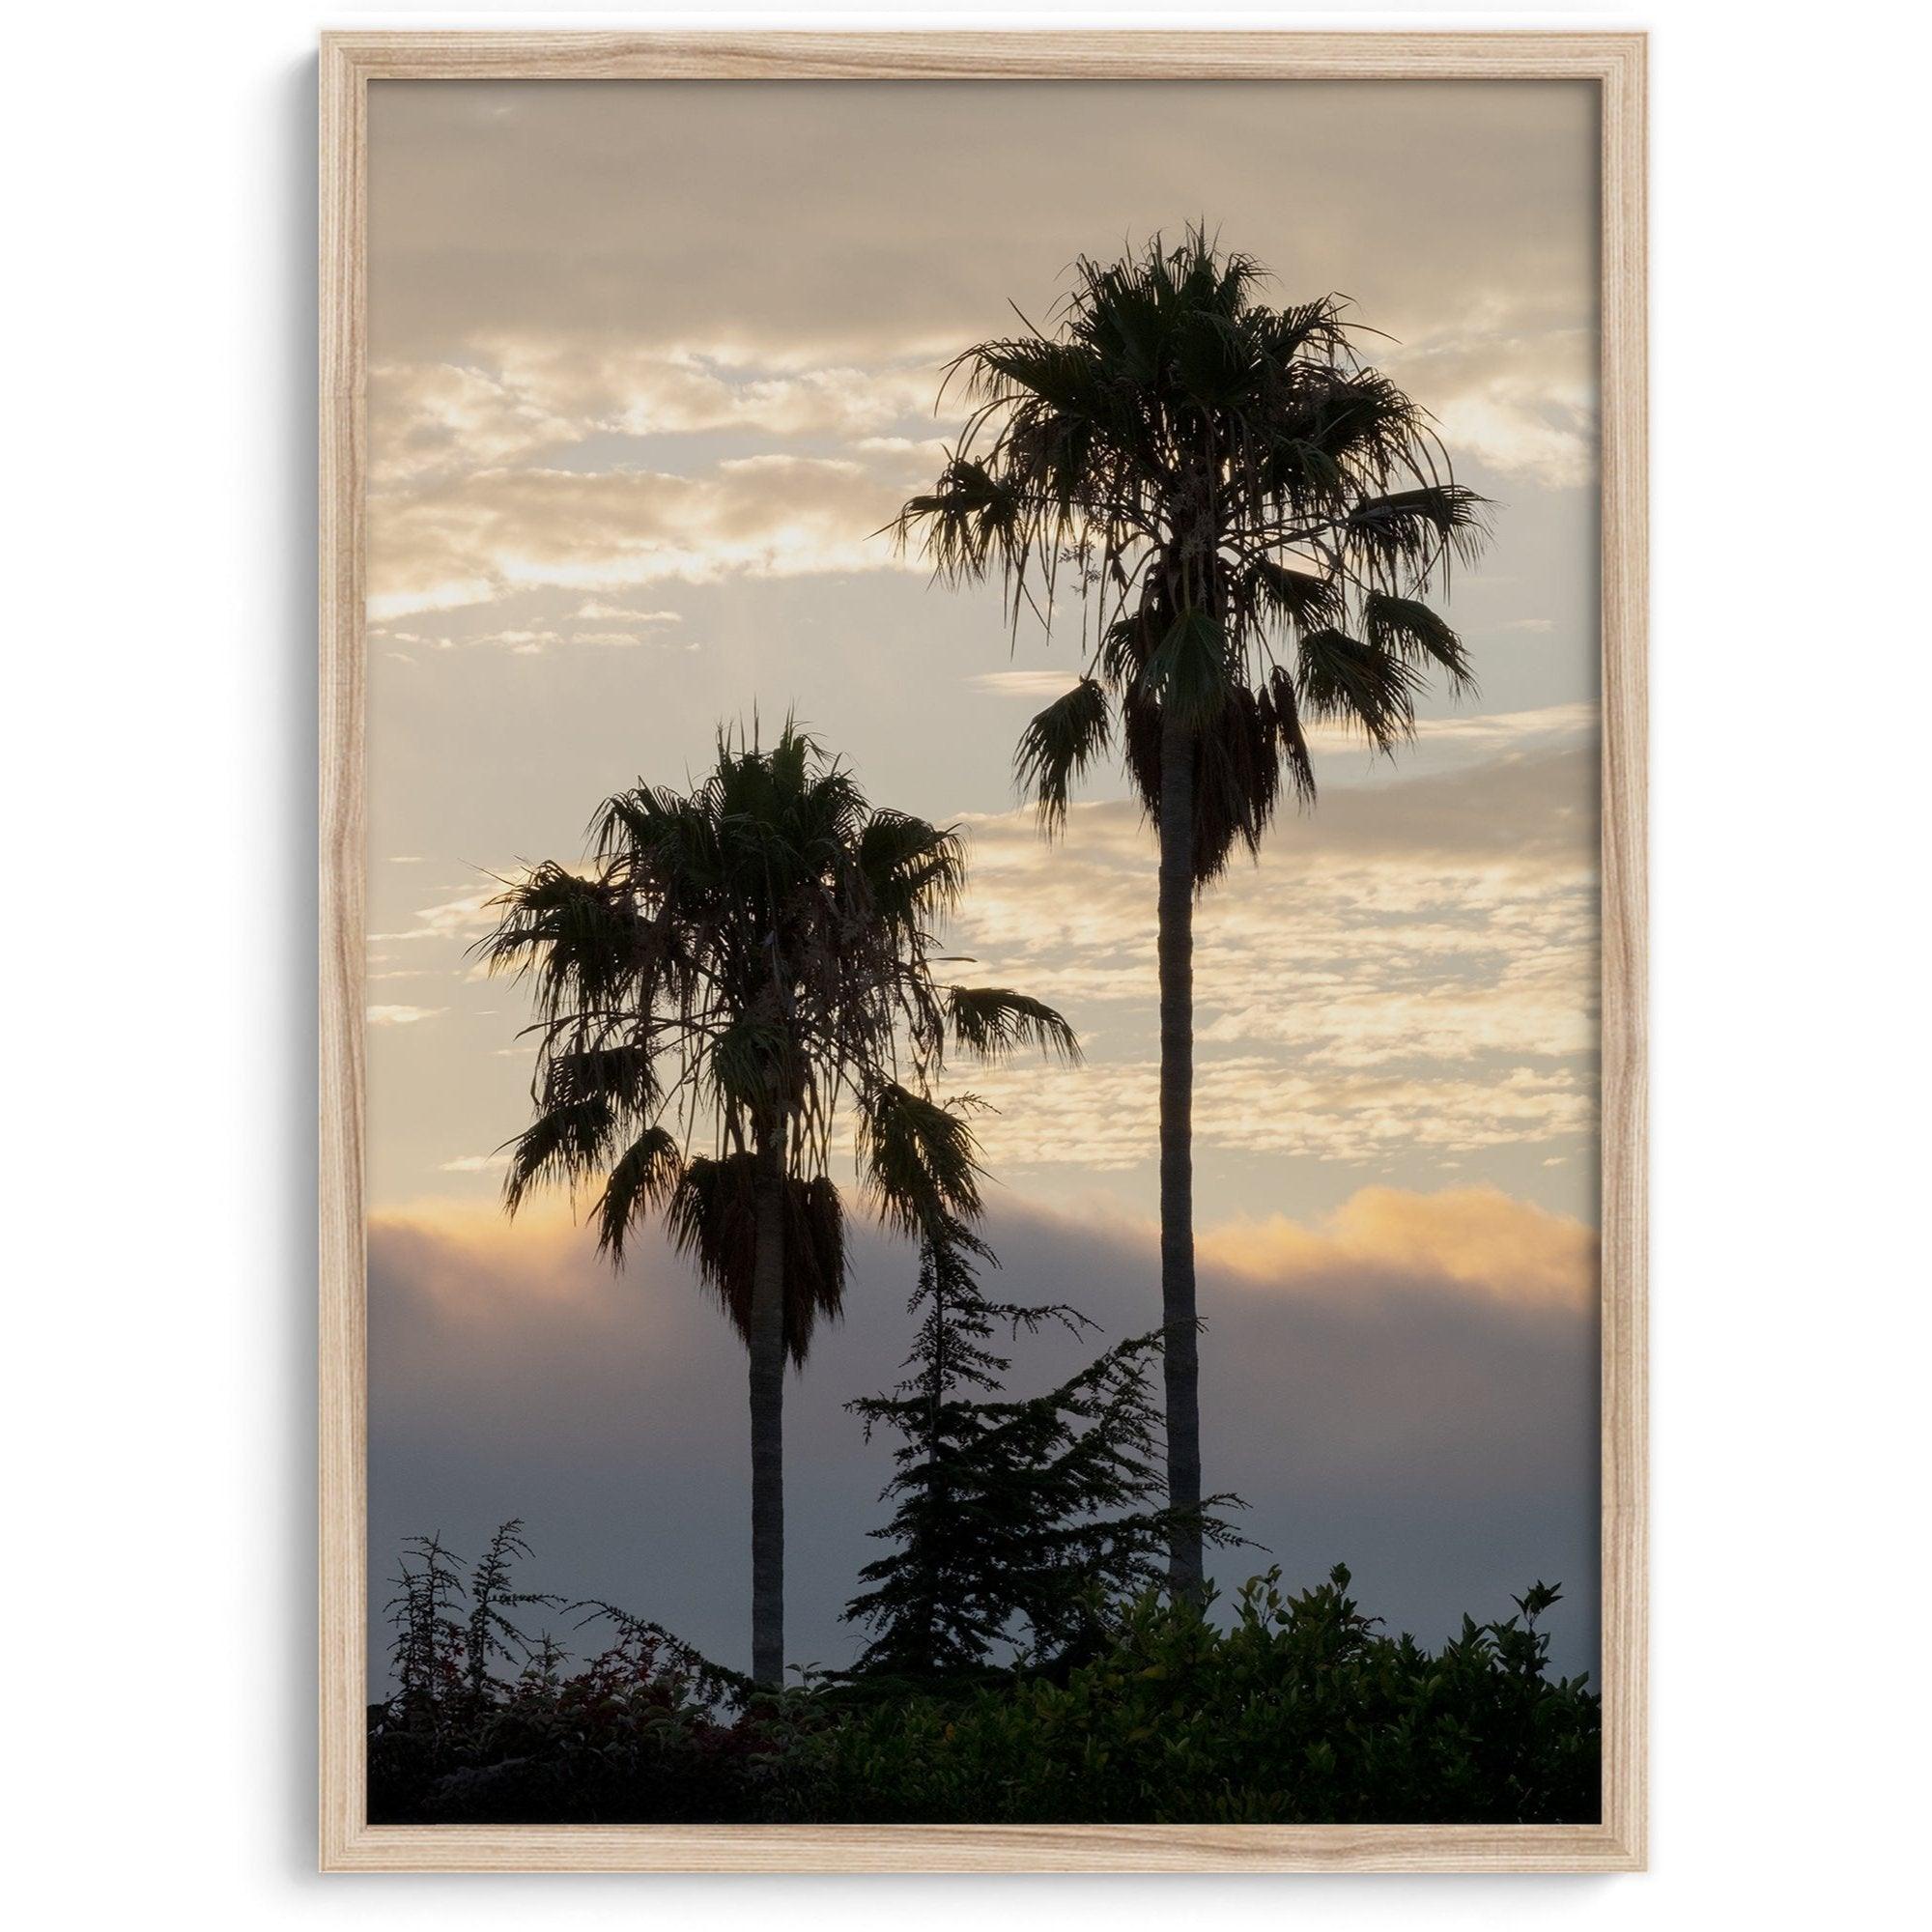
x=1180 y=1360
x=768 y=1363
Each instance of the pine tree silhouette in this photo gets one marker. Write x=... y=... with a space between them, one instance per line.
x=1012 y=1518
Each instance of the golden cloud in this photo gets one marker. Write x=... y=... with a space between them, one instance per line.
x=1477 y=1239
x=471 y=1261
x=1413 y=968
x=1522 y=400
x=519 y=402
x=480 y=535
x=473 y=1264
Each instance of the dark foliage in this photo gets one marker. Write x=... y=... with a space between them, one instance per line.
x=736 y=964
x=1247 y=517
x=634 y=1732
x=712 y=1217
x=1303 y=1712
x=628 y=1736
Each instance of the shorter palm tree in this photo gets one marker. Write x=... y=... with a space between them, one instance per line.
x=743 y=965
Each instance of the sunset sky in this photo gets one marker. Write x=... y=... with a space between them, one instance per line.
x=652 y=363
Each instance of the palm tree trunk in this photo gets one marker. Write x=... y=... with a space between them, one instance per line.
x=768 y=1360
x=1180 y=1357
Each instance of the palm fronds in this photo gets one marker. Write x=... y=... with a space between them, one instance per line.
x=1058 y=746
x=1401 y=627
x=737 y=959
x=1224 y=484
x=642 y=1180
x=1241 y=759
x=1187 y=672
x=712 y=1219
x=1356 y=683
x=993 y=1023
x=920 y=1159
x=564 y=1144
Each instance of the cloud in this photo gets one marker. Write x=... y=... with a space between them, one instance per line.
x=1105 y=1115
x=1454 y=743
x=933 y=450
x=1409 y=972
x=595 y=611
x=450 y=919
x=526 y=400
x=1522 y=401
x=481 y=535
x=1405 y=981
x=524 y=642
x=1039 y=686
x=641 y=629
x=474 y=1163
x=426 y=418
x=388 y=1017
x=564 y=374
x=1409 y=1386
x=1476 y=1238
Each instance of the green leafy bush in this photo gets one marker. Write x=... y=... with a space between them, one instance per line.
x=1302 y=1712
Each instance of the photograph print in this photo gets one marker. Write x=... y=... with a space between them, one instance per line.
x=983 y=1107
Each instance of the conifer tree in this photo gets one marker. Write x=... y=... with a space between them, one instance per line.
x=1012 y=1517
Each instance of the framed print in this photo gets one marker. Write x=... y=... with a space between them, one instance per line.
x=983 y=884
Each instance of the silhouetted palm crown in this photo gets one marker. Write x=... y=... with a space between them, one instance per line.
x=735 y=962
x=1251 y=515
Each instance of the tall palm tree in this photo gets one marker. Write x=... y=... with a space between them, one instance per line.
x=1252 y=516
x=739 y=962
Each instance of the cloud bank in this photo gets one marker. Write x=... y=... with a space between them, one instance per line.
x=1406 y=1385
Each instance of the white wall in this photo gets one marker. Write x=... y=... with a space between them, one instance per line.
x=157 y=767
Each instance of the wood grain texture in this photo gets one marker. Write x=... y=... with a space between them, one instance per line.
x=983 y=1847
x=985 y=56
x=348 y=62
x=1624 y=1120
x=342 y=1446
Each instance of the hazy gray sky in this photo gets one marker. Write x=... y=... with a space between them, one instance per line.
x=652 y=363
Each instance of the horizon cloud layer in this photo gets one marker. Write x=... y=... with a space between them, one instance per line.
x=1393 y=1386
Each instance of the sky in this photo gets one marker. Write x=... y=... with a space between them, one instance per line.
x=651 y=364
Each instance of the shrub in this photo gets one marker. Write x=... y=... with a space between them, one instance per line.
x=636 y=1734
x=632 y=1737
x=1302 y=1713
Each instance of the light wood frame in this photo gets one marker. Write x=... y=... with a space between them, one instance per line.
x=348 y=62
